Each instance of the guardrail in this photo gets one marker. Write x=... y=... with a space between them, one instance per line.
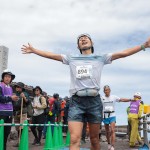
x=144 y=122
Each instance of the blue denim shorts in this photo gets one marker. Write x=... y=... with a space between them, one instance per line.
x=86 y=108
x=109 y=120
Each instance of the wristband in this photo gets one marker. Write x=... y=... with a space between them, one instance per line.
x=143 y=47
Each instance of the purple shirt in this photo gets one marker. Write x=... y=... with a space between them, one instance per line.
x=6 y=108
x=134 y=107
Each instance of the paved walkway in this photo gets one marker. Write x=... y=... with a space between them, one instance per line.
x=121 y=144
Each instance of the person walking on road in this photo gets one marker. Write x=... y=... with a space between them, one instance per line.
x=109 y=101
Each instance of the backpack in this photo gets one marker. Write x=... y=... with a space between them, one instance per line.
x=46 y=110
x=30 y=110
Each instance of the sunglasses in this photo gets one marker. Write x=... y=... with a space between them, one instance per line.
x=37 y=90
x=137 y=96
x=18 y=87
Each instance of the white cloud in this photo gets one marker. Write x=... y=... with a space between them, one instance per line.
x=54 y=20
x=54 y=25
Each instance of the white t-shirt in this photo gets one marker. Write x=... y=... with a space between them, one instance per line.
x=36 y=102
x=109 y=105
x=85 y=70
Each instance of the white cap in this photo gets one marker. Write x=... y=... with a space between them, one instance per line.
x=6 y=70
x=137 y=94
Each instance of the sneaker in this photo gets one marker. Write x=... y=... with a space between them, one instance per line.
x=38 y=143
x=132 y=145
x=141 y=143
x=34 y=142
x=64 y=134
x=83 y=141
x=16 y=145
x=112 y=148
x=109 y=146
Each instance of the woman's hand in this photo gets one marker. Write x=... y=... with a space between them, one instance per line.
x=27 y=49
x=147 y=43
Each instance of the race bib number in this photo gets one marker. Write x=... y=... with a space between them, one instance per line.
x=83 y=71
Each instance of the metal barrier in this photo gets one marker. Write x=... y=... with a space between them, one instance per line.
x=144 y=122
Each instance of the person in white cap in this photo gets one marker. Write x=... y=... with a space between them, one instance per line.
x=6 y=99
x=85 y=73
x=135 y=113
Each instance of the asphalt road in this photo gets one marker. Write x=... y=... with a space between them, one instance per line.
x=121 y=144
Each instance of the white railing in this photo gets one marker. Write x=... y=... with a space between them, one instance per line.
x=145 y=123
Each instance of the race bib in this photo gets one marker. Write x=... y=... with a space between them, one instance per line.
x=83 y=71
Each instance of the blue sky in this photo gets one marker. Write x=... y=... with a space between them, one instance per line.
x=54 y=25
